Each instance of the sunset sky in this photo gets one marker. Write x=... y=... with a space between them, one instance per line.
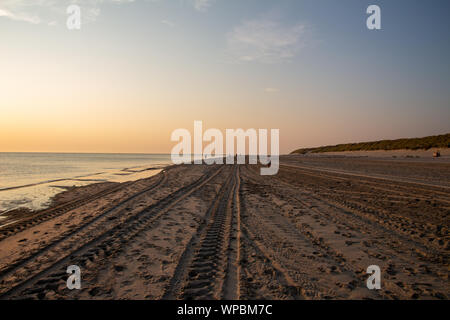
x=137 y=70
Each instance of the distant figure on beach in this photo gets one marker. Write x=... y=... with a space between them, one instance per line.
x=437 y=154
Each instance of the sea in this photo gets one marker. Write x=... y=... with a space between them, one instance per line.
x=29 y=180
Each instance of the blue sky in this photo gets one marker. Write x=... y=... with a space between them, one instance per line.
x=144 y=68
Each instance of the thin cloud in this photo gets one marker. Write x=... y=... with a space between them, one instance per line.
x=266 y=41
x=168 y=23
x=45 y=11
x=202 y=5
x=19 y=16
x=272 y=90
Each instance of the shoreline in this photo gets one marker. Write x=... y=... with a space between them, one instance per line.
x=40 y=193
x=68 y=194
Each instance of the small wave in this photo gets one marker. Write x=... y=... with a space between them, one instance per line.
x=76 y=178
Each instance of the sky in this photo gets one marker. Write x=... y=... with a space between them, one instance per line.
x=138 y=70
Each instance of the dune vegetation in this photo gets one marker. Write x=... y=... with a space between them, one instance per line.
x=425 y=143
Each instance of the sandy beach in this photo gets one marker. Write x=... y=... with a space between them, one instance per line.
x=225 y=232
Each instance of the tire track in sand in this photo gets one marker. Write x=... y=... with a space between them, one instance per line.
x=208 y=268
x=106 y=244
x=112 y=212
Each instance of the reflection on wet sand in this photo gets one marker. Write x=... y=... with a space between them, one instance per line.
x=39 y=195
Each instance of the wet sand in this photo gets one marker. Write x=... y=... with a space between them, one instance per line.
x=225 y=232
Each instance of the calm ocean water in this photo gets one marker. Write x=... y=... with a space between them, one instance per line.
x=30 y=179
